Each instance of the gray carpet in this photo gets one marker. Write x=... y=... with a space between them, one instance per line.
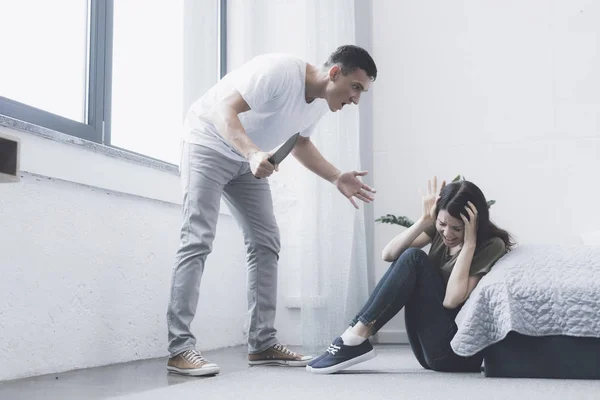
x=393 y=374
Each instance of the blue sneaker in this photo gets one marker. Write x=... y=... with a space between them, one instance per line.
x=315 y=360
x=339 y=356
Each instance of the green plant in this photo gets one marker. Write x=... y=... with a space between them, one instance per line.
x=406 y=222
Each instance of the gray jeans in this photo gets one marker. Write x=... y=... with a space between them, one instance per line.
x=206 y=175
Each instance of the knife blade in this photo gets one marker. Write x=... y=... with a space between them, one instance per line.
x=283 y=151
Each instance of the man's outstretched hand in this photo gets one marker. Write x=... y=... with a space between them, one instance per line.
x=350 y=186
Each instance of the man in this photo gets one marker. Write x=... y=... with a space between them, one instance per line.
x=229 y=132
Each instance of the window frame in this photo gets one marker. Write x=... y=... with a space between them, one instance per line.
x=97 y=127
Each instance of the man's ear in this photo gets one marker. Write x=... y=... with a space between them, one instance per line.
x=334 y=72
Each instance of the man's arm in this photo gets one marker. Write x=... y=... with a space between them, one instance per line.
x=309 y=156
x=224 y=116
x=347 y=183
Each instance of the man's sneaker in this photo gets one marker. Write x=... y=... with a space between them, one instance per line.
x=191 y=363
x=278 y=355
x=339 y=356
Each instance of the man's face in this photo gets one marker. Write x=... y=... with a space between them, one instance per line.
x=345 y=89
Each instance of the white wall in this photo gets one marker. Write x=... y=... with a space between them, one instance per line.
x=506 y=93
x=87 y=244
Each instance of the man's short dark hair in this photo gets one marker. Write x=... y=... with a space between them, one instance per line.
x=350 y=57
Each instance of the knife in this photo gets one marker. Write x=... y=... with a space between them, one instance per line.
x=284 y=150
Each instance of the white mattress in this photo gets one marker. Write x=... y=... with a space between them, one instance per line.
x=535 y=290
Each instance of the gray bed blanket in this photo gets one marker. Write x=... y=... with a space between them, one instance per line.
x=535 y=290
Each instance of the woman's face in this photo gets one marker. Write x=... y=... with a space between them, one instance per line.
x=451 y=229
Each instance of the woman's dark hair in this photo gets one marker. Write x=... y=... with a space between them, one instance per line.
x=350 y=57
x=454 y=197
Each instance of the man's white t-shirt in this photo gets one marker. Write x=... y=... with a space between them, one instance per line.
x=273 y=85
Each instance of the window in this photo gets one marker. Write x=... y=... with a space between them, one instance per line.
x=45 y=67
x=120 y=73
x=147 y=77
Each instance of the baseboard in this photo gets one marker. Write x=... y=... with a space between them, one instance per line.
x=391 y=337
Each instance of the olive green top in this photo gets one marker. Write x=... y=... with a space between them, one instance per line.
x=484 y=258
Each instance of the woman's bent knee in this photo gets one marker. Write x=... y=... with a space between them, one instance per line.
x=412 y=256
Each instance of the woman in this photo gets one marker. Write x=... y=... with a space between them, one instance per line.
x=432 y=287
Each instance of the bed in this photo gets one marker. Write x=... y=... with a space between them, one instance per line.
x=536 y=314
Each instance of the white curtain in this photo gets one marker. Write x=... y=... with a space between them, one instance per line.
x=323 y=265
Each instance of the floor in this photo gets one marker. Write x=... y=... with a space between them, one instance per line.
x=393 y=374
x=114 y=380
